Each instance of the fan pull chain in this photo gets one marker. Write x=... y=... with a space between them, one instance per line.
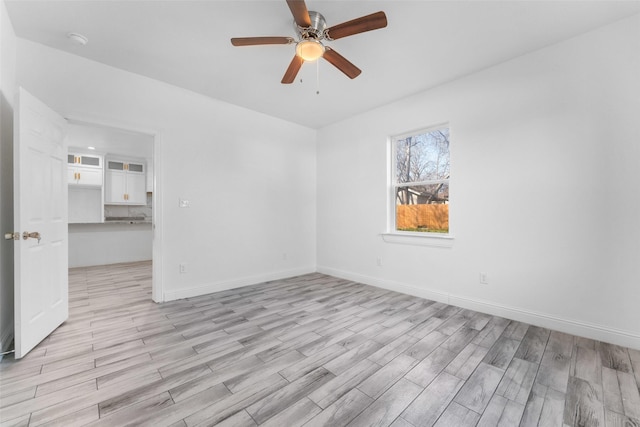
x=318 y=77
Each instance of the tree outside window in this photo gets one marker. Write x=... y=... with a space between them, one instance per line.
x=421 y=181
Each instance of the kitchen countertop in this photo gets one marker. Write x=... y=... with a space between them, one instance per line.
x=127 y=221
x=115 y=221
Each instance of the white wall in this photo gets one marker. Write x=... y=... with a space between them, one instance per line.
x=250 y=178
x=7 y=91
x=545 y=189
x=111 y=243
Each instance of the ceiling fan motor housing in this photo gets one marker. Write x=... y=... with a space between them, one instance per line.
x=316 y=30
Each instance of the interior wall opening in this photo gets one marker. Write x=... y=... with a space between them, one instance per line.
x=111 y=188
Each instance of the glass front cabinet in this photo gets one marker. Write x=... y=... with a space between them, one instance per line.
x=84 y=169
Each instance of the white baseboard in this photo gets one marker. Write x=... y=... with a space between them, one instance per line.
x=569 y=326
x=170 y=295
x=6 y=336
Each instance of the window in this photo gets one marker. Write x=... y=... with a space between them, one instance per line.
x=420 y=181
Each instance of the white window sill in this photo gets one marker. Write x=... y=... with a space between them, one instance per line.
x=419 y=239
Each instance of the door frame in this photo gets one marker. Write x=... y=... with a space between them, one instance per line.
x=157 y=288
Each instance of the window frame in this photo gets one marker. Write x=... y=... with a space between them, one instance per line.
x=393 y=235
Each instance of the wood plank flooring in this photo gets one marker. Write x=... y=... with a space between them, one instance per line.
x=312 y=350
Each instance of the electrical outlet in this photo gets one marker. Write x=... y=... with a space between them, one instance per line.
x=484 y=280
x=184 y=203
x=284 y=256
x=183 y=268
x=379 y=262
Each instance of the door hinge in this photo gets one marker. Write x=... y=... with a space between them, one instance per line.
x=12 y=236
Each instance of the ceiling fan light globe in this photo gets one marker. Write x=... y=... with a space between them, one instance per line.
x=309 y=50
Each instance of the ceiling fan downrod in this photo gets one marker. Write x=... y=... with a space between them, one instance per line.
x=316 y=31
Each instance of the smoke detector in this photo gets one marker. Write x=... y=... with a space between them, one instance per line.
x=77 y=38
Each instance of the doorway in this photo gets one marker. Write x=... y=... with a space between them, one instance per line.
x=41 y=183
x=112 y=196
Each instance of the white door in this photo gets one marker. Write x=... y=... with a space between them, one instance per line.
x=40 y=206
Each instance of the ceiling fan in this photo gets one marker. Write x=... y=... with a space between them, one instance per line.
x=312 y=30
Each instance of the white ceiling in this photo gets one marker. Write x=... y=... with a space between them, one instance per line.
x=107 y=140
x=186 y=43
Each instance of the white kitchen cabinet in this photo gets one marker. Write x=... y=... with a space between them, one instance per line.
x=137 y=189
x=150 y=176
x=125 y=182
x=84 y=170
x=86 y=160
x=116 y=187
x=85 y=178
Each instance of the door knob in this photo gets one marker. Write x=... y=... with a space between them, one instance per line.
x=12 y=236
x=33 y=234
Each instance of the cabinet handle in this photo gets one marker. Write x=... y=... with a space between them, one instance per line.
x=78 y=176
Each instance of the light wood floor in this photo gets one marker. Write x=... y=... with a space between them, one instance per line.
x=311 y=350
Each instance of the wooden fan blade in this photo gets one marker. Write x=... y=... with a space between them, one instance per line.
x=292 y=71
x=299 y=12
x=341 y=63
x=254 y=41
x=355 y=26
